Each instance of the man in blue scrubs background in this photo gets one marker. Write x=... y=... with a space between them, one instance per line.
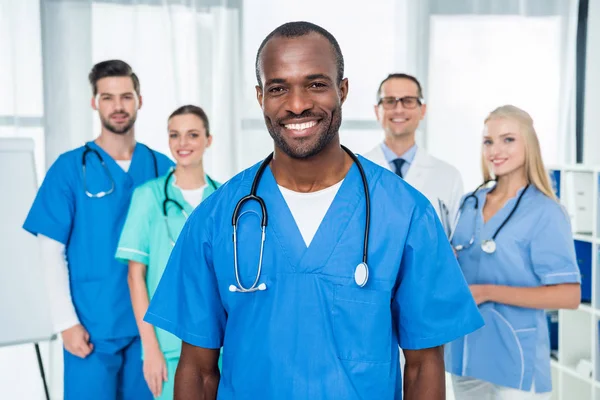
x=78 y=214
x=317 y=326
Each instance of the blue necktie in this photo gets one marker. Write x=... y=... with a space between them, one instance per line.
x=398 y=163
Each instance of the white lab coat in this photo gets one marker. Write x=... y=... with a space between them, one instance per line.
x=434 y=178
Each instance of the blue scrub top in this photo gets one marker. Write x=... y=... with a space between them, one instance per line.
x=534 y=248
x=90 y=229
x=313 y=333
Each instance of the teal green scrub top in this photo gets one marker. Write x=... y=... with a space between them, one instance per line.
x=145 y=237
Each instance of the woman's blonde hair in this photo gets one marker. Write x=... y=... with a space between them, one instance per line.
x=534 y=165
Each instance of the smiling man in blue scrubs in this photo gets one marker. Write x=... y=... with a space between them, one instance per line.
x=78 y=214
x=317 y=327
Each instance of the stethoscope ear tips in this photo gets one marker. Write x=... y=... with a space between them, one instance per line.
x=232 y=288
x=262 y=286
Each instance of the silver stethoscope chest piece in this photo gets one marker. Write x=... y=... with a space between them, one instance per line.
x=488 y=246
x=361 y=274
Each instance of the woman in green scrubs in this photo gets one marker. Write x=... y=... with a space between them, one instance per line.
x=156 y=216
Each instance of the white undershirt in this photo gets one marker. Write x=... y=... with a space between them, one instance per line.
x=56 y=274
x=309 y=209
x=192 y=196
x=124 y=164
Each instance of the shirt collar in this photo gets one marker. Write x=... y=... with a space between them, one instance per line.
x=408 y=156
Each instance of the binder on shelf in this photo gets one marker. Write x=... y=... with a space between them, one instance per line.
x=555 y=181
x=583 y=252
x=552 y=317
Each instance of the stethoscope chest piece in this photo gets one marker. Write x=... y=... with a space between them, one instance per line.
x=261 y=287
x=488 y=246
x=361 y=274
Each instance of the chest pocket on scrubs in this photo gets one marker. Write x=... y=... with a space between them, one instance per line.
x=499 y=351
x=362 y=324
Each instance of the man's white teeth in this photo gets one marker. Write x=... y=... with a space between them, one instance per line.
x=300 y=127
x=399 y=120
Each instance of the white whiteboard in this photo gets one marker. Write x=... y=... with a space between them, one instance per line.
x=24 y=311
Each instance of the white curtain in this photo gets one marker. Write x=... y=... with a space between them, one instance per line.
x=486 y=53
x=184 y=52
x=21 y=100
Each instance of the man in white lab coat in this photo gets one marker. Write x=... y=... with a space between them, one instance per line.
x=399 y=109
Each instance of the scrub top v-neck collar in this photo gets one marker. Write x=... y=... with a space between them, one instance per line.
x=175 y=193
x=489 y=228
x=337 y=218
x=119 y=175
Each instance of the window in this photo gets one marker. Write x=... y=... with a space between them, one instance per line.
x=478 y=63
x=21 y=102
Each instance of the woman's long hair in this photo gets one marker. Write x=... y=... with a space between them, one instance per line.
x=534 y=165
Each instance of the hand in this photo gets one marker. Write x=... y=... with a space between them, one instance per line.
x=155 y=370
x=77 y=341
x=480 y=293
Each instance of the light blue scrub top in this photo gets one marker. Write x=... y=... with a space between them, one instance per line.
x=534 y=248
x=90 y=229
x=313 y=333
x=145 y=238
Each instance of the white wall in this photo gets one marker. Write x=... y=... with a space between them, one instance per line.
x=591 y=127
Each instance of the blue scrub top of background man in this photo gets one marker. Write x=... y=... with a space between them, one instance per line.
x=81 y=206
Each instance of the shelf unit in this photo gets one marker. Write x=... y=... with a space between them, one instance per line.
x=578 y=330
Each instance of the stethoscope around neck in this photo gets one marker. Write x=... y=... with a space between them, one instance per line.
x=488 y=245
x=174 y=202
x=101 y=194
x=361 y=273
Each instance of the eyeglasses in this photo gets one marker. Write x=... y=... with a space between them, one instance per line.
x=408 y=102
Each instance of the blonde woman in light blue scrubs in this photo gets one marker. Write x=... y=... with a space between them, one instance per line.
x=515 y=248
x=156 y=216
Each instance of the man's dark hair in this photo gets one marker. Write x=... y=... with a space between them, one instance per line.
x=401 y=76
x=195 y=110
x=112 y=68
x=298 y=29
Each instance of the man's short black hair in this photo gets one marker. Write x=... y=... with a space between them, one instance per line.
x=401 y=76
x=298 y=29
x=111 y=68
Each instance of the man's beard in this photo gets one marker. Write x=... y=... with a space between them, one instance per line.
x=119 y=131
x=305 y=150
